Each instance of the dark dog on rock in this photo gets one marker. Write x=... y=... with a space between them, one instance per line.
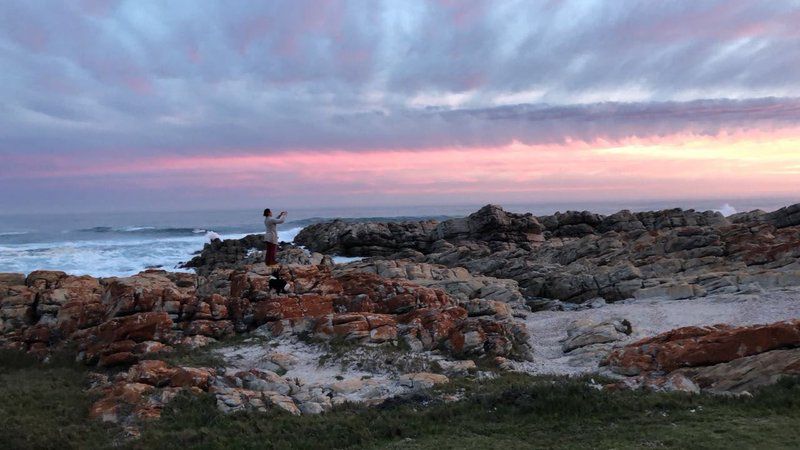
x=277 y=283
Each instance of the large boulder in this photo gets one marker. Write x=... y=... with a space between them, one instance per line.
x=788 y=216
x=702 y=346
x=585 y=332
x=228 y=253
x=677 y=218
x=747 y=373
x=491 y=223
x=123 y=340
x=578 y=256
x=571 y=223
x=366 y=238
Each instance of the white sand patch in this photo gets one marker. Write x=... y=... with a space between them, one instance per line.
x=650 y=317
x=312 y=369
x=253 y=354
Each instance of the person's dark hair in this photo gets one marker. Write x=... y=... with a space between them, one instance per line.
x=267 y=212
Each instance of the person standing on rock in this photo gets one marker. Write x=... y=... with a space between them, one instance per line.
x=271 y=236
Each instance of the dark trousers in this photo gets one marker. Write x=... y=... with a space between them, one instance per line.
x=272 y=251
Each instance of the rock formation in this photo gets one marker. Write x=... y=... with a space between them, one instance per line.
x=366 y=238
x=577 y=256
x=128 y=324
x=718 y=358
x=117 y=320
x=435 y=294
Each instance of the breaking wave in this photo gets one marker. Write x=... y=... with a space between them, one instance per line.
x=13 y=233
x=144 y=230
x=107 y=255
x=726 y=210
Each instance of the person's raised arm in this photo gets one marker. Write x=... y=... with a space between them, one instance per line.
x=281 y=217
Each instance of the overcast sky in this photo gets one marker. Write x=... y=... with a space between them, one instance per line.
x=184 y=104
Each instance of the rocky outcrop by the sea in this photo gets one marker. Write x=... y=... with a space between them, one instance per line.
x=578 y=256
x=664 y=300
x=578 y=261
x=128 y=325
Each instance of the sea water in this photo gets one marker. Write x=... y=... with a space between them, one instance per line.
x=120 y=244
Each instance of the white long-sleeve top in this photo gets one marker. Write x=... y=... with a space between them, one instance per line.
x=271 y=224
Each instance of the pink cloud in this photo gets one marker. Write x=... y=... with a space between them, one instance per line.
x=742 y=164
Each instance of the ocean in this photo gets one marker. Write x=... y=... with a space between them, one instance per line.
x=121 y=244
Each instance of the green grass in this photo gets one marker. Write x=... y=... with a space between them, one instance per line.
x=188 y=357
x=45 y=406
x=513 y=411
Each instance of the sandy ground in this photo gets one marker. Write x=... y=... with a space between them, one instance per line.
x=650 y=317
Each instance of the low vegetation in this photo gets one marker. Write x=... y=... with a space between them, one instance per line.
x=46 y=406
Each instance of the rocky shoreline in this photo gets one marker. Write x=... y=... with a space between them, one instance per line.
x=569 y=293
x=577 y=256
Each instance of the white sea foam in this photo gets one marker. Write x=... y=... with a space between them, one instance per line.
x=12 y=233
x=132 y=229
x=103 y=258
x=346 y=259
x=113 y=257
x=288 y=235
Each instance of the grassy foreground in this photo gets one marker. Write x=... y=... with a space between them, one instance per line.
x=44 y=406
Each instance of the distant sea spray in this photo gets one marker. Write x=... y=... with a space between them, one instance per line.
x=726 y=210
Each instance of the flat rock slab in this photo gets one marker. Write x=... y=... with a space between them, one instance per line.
x=649 y=318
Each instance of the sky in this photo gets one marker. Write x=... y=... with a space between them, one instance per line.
x=180 y=104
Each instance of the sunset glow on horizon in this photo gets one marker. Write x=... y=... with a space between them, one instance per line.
x=418 y=101
x=663 y=168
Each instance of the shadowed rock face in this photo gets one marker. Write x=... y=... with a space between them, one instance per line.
x=747 y=373
x=366 y=238
x=577 y=256
x=225 y=253
x=233 y=253
x=788 y=216
x=489 y=224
